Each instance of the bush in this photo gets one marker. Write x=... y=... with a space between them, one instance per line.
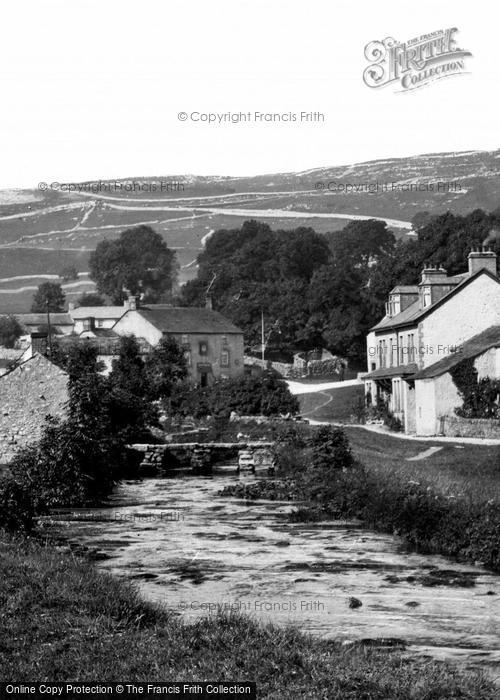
x=330 y=449
x=17 y=509
x=265 y=395
x=10 y=331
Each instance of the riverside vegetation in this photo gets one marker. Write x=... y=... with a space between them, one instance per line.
x=63 y=620
x=453 y=511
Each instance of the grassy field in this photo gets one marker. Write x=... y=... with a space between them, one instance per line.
x=470 y=472
x=61 y=620
x=331 y=404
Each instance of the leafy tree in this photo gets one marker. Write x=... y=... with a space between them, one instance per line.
x=10 y=331
x=362 y=243
x=258 y=269
x=128 y=369
x=165 y=368
x=91 y=299
x=49 y=296
x=139 y=260
x=127 y=403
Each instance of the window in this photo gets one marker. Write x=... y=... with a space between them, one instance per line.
x=203 y=349
x=184 y=340
x=88 y=324
x=411 y=347
x=187 y=355
x=224 y=358
x=99 y=323
x=397 y=395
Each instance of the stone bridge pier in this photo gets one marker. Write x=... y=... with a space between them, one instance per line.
x=159 y=459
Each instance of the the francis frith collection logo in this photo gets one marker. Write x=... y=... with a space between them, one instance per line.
x=416 y=62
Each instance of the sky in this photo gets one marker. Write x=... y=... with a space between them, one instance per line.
x=93 y=89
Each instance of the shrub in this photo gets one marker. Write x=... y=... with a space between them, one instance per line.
x=10 y=331
x=17 y=509
x=480 y=398
x=265 y=395
x=330 y=448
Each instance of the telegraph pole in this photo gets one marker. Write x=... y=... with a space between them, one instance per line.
x=49 y=334
x=263 y=345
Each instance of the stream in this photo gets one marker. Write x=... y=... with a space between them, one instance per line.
x=197 y=553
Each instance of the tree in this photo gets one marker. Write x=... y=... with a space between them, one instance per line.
x=362 y=243
x=127 y=403
x=10 y=331
x=139 y=261
x=48 y=297
x=165 y=368
x=91 y=299
x=257 y=269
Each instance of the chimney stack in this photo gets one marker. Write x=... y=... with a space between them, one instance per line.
x=130 y=302
x=482 y=259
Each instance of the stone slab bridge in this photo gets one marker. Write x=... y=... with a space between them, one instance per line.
x=160 y=458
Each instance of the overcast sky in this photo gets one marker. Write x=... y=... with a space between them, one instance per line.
x=93 y=88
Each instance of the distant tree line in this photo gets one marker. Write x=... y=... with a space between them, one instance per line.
x=325 y=290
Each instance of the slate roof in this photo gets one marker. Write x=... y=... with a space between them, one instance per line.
x=490 y=338
x=413 y=313
x=388 y=372
x=62 y=319
x=405 y=289
x=174 y=319
x=100 y=312
x=106 y=343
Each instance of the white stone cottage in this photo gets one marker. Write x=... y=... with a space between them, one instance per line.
x=428 y=329
x=213 y=346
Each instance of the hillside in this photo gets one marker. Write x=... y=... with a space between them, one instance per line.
x=41 y=232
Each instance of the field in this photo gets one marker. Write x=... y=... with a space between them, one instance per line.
x=470 y=472
x=40 y=229
x=331 y=404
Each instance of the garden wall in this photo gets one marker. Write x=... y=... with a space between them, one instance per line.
x=454 y=426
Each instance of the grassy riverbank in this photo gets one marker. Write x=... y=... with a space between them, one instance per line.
x=63 y=620
x=446 y=503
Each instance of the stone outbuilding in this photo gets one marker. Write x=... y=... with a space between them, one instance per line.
x=29 y=393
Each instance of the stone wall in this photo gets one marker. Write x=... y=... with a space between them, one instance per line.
x=28 y=394
x=455 y=426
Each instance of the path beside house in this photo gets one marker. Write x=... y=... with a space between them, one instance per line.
x=298 y=388
x=333 y=403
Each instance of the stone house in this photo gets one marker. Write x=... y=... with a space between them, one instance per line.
x=428 y=328
x=29 y=393
x=213 y=346
x=107 y=344
x=89 y=319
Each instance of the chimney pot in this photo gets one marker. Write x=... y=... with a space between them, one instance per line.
x=482 y=259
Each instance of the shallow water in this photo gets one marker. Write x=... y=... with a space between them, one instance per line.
x=197 y=553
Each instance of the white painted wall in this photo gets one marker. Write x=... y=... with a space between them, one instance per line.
x=469 y=312
x=132 y=323
x=425 y=405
